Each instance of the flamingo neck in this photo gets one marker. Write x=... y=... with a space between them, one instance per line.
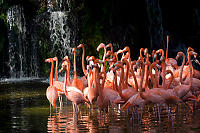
x=51 y=75
x=182 y=66
x=190 y=66
x=167 y=47
x=146 y=74
x=65 y=83
x=135 y=79
x=120 y=83
x=56 y=71
x=126 y=76
x=153 y=78
x=75 y=75
x=141 y=81
x=68 y=75
x=142 y=77
x=83 y=61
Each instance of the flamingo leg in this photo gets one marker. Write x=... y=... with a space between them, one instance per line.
x=141 y=111
x=158 y=107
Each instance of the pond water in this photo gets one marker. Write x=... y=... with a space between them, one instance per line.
x=24 y=108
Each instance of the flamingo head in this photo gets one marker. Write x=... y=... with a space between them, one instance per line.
x=91 y=58
x=190 y=49
x=120 y=51
x=160 y=51
x=126 y=48
x=64 y=66
x=66 y=58
x=109 y=45
x=80 y=45
x=49 y=60
x=145 y=51
x=179 y=54
x=101 y=45
x=73 y=49
x=55 y=59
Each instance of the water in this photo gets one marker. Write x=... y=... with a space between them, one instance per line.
x=22 y=54
x=24 y=108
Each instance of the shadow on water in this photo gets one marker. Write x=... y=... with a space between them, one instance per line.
x=24 y=108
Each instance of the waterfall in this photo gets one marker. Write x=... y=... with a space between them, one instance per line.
x=22 y=54
x=60 y=33
x=17 y=45
x=28 y=37
x=62 y=28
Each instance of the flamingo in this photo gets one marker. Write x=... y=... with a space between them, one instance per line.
x=102 y=100
x=156 y=95
x=101 y=45
x=182 y=90
x=71 y=92
x=91 y=92
x=85 y=83
x=106 y=95
x=58 y=84
x=76 y=82
x=134 y=100
x=51 y=92
x=111 y=48
x=124 y=90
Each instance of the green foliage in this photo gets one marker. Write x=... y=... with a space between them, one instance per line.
x=3 y=17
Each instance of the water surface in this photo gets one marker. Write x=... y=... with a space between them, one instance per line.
x=24 y=108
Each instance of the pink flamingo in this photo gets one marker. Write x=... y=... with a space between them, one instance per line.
x=72 y=93
x=58 y=84
x=51 y=92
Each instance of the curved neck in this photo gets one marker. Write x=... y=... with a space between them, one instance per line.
x=51 y=75
x=153 y=78
x=56 y=71
x=68 y=73
x=146 y=74
x=142 y=77
x=167 y=47
x=65 y=83
x=133 y=74
x=190 y=66
x=83 y=60
x=182 y=66
x=141 y=57
x=127 y=72
x=75 y=75
x=118 y=88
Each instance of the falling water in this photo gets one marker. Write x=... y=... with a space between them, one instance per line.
x=17 y=43
x=22 y=55
x=60 y=33
x=62 y=27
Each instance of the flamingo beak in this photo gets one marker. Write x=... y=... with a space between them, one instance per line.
x=79 y=46
x=47 y=60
